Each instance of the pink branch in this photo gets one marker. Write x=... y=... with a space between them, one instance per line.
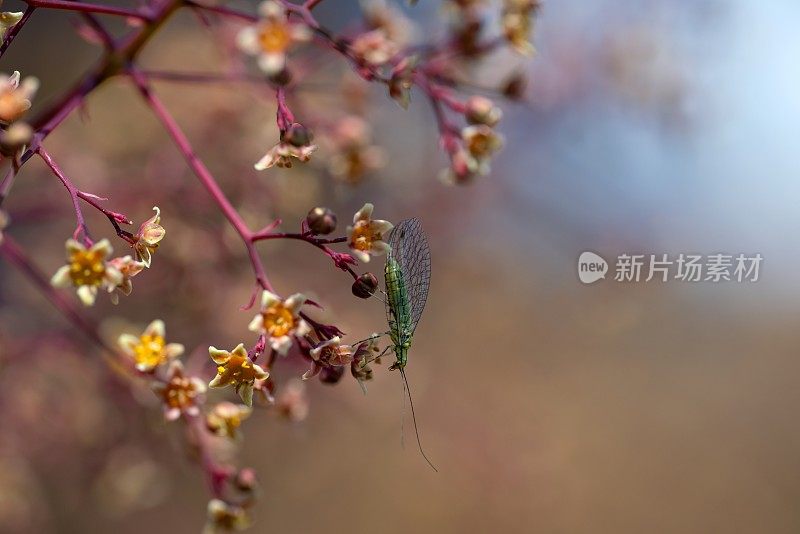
x=74 y=193
x=89 y=8
x=284 y=114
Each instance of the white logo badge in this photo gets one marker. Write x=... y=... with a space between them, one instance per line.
x=591 y=267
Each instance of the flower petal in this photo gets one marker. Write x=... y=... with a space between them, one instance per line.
x=246 y=393
x=216 y=382
x=269 y=160
x=281 y=344
x=127 y=342
x=294 y=302
x=87 y=294
x=267 y=299
x=257 y=324
x=247 y=41
x=364 y=214
x=74 y=246
x=219 y=356
x=240 y=351
x=302 y=328
x=156 y=328
x=379 y=247
x=271 y=63
x=259 y=371
x=61 y=278
x=380 y=226
x=361 y=255
x=173 y=350
x=103 y=247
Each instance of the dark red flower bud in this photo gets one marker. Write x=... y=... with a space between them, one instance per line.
x=331 y=375
x=514 y=86
x=282 y=77
x=365 y=285
x=321 y=220
x=297 y=135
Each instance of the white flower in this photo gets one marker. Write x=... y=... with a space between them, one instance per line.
x=366 y=236
x=271 y=37
x=279 y=320
x=88 y=270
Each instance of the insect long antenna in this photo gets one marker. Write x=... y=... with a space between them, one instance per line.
x=414 y=419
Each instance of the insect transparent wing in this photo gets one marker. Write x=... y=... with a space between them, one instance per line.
x=410 y=250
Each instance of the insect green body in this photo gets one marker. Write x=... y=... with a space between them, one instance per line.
x=400 y=326
x=407 y=277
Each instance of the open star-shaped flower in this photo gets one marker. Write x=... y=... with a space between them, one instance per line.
x=279 y=320
x=149 y=350
x=271 y=37
x=180 y=394
x=235 y=368
x=366 y=236
x=88 y=270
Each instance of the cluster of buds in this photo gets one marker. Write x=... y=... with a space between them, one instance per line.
x=89 y=268
x=471 y=155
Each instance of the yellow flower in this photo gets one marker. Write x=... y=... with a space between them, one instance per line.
x=236 y=369
x=366 y=235
x=147 y=238
x=15 y=97
x=272 y=37
x=88 y=270
x=180 y=393
x=226 y=418
x=224 y=517
x=150 y=350
x=279 y=320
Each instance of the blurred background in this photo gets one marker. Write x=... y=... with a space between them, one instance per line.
x=548 y=406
